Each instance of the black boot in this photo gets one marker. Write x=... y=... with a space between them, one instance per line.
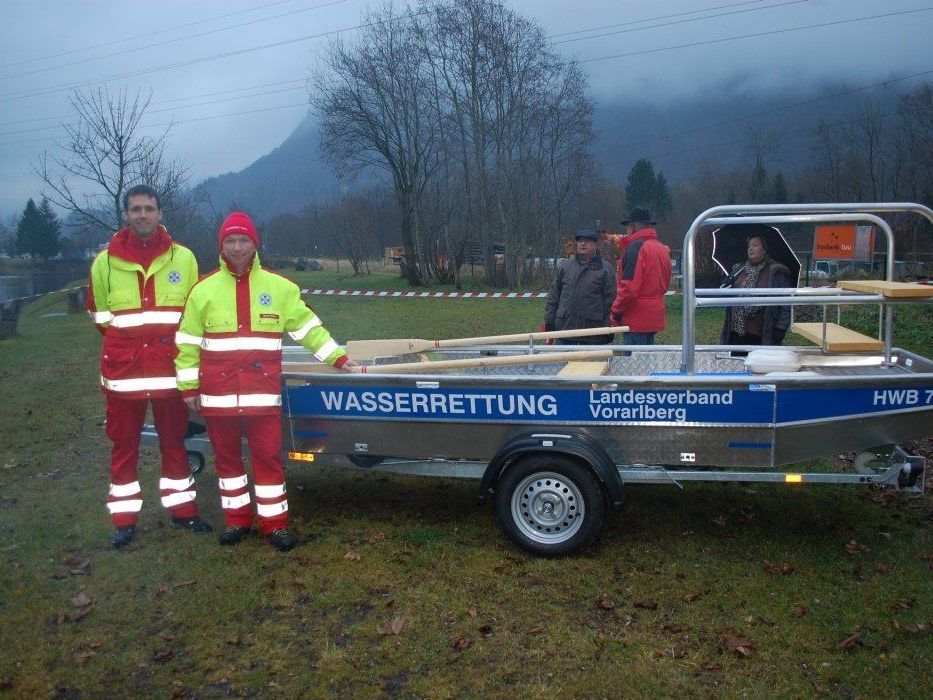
x=281 y=539
x=194 y=524
x=122 y=536
x=232 y=534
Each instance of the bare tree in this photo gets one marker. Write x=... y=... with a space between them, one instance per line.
x=374 y=101
x=483 y=129
x=103 y=155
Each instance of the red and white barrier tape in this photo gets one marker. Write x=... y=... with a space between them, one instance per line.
x=424 y=295
x=44 y=294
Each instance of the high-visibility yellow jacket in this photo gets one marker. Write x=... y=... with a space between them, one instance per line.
x=137 y=309
x=230 y=340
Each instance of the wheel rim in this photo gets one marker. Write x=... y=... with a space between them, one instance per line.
x=547 y=507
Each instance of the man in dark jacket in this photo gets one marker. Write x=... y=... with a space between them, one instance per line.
x=644 y=278
x=581 y=293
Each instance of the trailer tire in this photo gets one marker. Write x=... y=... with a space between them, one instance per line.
x=366 y=461
x=195 y=462
x=550 y=505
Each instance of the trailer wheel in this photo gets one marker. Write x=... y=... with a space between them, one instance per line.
x=365 y=461
x=195 y=462
x=550 y=505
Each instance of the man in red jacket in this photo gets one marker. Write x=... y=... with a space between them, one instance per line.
x=137 y=292
x=644 y=276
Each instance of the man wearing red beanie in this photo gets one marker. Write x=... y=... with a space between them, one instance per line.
x=229 y=366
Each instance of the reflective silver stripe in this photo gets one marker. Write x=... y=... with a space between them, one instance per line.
x=123 y=490
x=185 y=339
x=133 y=506
x=260 y=400
x=228 y=401
x=101 y=317
x=305 y=329
x=233 y=502
x=241 y=401
x=188 y=375
x=235 y=344
x=175 y=484
x=233 y=483
x=270 y=491
x=146 y=318
x=142 y=384
x=267 y=510
x=325 y=350
x=176 y=499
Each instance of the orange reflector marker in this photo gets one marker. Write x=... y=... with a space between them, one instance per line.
x=793 y=478
x=301 y=456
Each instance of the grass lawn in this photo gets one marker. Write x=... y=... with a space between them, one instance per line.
x=403 y=587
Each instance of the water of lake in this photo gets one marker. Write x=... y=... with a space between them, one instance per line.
x=25 y=285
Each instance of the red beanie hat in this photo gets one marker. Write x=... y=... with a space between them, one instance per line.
x=238 y=222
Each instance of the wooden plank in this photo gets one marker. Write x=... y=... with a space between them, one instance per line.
x=584 y=369
x=436 y=365
x=888 y=289
x=838 y=339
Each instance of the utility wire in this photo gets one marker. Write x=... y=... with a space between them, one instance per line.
x=755 y=35
x=171 y=41
x=144 y=36
x=652 y=19
x=679 y=21
x=181 y=64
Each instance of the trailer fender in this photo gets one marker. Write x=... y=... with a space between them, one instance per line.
x=575 y=445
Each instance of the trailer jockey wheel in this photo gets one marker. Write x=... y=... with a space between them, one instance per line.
x=195 y=462
x=550 y=505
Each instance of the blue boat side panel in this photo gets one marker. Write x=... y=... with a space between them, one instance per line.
x=815 y=404
x=673 y=406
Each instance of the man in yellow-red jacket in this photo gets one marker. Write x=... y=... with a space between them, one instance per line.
x=229 y=366
x=137 y=291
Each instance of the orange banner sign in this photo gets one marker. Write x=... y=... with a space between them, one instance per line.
x=834 y=242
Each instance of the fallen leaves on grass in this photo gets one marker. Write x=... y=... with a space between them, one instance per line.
x=603 y=604
x=695 y=595
x=352 y=556
x=799 y=611
x=473 y=611
x=904 y=604
x=778 y=569
x=673 y=627
x=6 y=682
x=462 y=642
x=741 y=646
x=184 y=584
x=394 y=626
x=80 y=599
x=84 y=656
x=487 y=631
x=161 y=657
x=854 y=547
x=850 y=642
x=919 y=629
x=537 y=629
x=645 y=604
x=669 y=654
x=711 y=667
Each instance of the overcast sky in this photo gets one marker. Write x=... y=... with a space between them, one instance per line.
x=231 y=74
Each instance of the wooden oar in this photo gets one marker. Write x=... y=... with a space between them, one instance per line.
x=368 y=349
x=436 y=365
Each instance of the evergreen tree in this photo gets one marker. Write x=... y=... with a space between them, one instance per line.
x=758 y=189
x=663 y=202
x=641 y=185
x=779 y=190
x=51 y=231
x=37 y=231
